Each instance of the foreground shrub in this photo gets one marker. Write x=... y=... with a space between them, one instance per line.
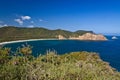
x=4 y=55
x=70 y=66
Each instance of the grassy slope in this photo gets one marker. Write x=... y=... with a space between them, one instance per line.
x=72 y=66
x=15 y=33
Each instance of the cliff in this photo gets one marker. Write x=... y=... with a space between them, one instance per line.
x=89 y=36
x=61 y=37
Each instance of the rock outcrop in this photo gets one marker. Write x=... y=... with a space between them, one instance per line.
x=61 y=37
x=88 y=36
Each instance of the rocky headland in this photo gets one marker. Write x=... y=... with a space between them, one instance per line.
x=86 y=36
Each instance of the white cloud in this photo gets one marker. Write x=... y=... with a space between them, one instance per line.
x=31 y=26
x=19 y=21
x=25 y=17
x=4 y=25
x=32 y=22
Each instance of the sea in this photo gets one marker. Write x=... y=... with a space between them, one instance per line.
x=109 y=51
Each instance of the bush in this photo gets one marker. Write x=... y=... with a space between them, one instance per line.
x=70 y=66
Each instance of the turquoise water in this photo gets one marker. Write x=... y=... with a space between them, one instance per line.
x=108 y=50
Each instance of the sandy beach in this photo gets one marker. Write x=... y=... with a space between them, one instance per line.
x=8 y=42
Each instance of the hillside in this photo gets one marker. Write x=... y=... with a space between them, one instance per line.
x=11 y=33
x=71 y=66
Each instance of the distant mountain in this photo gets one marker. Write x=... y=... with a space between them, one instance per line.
x=83 y=31
x=11 y=33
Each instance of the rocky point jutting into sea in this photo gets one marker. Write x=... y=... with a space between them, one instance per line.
x=86 y=36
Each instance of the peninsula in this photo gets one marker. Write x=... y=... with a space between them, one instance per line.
x=86 y=36
x=11 y=33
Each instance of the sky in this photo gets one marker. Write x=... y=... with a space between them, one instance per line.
x=100 y=16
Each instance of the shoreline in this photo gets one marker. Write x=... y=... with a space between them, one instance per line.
x=9 y=42
x=16 y=41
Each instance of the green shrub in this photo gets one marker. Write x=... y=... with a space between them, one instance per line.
x=70 y=66
x=4 y=55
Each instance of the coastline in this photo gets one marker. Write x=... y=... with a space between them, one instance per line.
x=16 y=41
x=8 y=42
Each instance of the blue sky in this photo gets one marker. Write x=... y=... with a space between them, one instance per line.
x=100 y=16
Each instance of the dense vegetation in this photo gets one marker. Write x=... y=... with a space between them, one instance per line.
x=11 y=33
x=21 y=65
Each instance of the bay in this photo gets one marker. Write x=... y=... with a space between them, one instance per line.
x=108 y=50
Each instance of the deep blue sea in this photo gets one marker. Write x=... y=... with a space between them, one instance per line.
x=108 y=50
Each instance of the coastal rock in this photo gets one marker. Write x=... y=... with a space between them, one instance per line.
x=90 y=36
x=114 y=37
x=61 y=37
